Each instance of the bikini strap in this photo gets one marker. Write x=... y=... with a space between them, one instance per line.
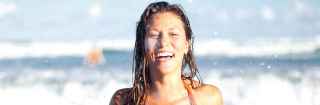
x=190 y=95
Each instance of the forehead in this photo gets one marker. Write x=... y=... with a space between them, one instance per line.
x=165 y=20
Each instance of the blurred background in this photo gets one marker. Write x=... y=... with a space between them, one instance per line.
x=79 y=52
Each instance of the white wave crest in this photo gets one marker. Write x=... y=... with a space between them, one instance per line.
x=221 y=47
x=84 y=87
x=52 y=49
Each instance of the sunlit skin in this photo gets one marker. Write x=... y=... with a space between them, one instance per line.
x=166 y=45
x=166 y=35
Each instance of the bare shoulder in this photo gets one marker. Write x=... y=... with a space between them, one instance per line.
x=119 y=97
x=210 y=89
x=210 y=93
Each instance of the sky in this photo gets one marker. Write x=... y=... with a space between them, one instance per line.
x=116 y=19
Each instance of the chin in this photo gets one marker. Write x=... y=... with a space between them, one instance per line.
x=165 y=69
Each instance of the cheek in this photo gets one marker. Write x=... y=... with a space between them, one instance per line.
x=181 y=46
x=150 y=45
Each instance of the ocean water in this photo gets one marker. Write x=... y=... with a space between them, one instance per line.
x=263 y=52
x=56 y=73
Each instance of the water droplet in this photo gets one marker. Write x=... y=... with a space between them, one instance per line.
x=269 y=66
x=215 y=33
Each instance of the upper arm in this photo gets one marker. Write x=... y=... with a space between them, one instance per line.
x=211 y=95
x=216 y=94
x=119 y=96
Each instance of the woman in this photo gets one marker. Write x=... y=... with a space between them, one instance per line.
x=163 y=48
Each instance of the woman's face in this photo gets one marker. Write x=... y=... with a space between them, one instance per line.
x=166 y=42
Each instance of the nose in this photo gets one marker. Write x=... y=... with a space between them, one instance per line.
x=164 y=40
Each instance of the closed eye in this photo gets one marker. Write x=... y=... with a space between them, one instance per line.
x=174 y=34
x=154 y=34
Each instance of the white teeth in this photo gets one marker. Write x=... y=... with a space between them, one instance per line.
x=164 y=54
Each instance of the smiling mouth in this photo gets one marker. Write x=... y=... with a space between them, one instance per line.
x=162 y=56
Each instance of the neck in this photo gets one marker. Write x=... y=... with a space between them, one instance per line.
x=166 y=85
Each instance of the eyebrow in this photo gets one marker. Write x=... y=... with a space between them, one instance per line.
x=174 y=29
x=170 y=29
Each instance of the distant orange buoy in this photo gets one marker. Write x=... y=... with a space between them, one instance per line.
x=95 y=57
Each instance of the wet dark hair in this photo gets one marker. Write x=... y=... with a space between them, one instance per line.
x=141 y=80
